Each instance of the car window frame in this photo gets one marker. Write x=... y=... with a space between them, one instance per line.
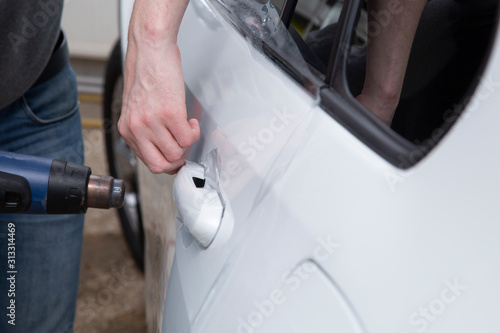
x=338 y=102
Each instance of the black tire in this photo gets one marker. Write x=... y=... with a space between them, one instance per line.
x=121 y=159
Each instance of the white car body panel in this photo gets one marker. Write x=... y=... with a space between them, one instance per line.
x=327 y=236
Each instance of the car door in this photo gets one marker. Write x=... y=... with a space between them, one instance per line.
x=306 y=213
x=250 y=113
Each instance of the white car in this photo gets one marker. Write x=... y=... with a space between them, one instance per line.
x=298 y=210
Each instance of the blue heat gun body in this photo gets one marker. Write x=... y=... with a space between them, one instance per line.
x=35 y=185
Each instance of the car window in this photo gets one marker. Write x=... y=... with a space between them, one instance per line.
x=322 y=45
x=448 y=56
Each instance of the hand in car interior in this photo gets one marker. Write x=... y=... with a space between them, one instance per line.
x=392 y=27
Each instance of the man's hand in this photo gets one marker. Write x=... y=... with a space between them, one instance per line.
x=154 y=120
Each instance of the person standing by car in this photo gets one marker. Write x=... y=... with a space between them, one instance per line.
x=39 y=115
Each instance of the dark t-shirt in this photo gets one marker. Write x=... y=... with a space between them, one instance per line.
x=28 y=34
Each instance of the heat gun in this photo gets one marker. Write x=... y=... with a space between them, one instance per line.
x=36 y=185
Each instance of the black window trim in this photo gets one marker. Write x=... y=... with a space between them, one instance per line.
x=338 y=101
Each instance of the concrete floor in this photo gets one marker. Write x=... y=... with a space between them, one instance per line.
x=111 y=291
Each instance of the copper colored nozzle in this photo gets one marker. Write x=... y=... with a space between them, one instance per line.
x=105 y=192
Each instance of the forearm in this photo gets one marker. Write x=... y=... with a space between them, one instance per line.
x=156 y=21
x=153 y=120
x=152 y=39
x=393 y=25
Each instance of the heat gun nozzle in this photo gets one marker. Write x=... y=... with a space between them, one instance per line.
x=105 y=192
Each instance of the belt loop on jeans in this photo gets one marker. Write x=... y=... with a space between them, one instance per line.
x=58 y=60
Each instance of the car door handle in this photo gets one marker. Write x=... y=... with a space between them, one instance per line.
x=202 y=206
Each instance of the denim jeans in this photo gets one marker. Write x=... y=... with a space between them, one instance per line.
x=44 y=122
